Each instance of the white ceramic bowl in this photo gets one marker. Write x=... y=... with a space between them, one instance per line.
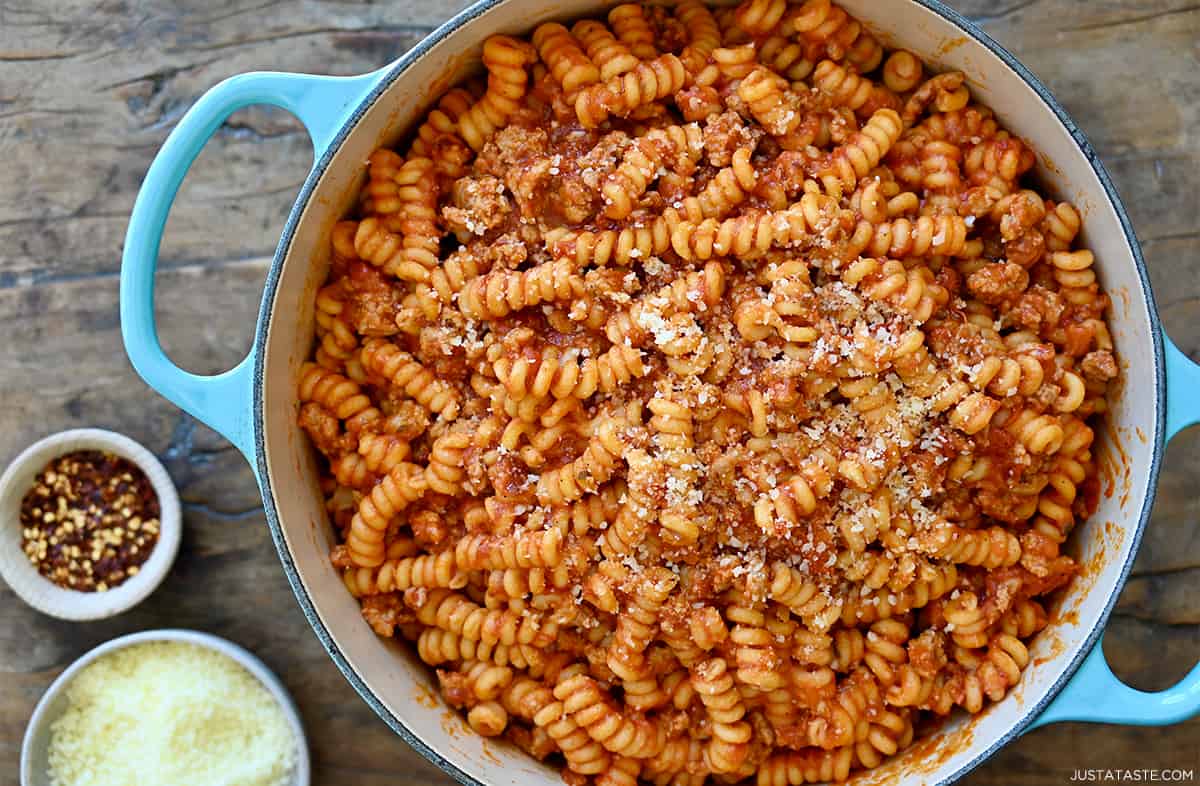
x=36 y=746
x=43 y=594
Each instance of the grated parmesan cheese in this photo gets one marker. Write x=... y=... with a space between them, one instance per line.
x=170 y=713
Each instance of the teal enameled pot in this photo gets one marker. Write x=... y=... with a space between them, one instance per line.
x=254 y=405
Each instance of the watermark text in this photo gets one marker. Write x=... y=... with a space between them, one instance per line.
x=1141 y=775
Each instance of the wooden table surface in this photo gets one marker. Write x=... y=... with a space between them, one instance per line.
x=89 y=89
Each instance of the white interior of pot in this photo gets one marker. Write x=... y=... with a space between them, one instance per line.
x=391 y=670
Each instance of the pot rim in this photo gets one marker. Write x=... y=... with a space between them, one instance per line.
x=395 y=71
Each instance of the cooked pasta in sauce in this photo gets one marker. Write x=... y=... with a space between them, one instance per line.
x=708 y=394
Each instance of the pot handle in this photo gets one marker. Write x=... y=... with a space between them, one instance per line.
x=1094 y=693
x=222 y=401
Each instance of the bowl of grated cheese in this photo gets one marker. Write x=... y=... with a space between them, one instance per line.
x=175 y=707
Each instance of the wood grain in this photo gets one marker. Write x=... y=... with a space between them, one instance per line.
x=90 y=88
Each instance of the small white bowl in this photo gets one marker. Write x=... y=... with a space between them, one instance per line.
x=35 y=749
x=43 y=594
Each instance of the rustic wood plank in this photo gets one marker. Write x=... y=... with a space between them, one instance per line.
x=90 y=119
x=90 y=88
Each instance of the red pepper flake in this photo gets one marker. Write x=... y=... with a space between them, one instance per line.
x=90 y=520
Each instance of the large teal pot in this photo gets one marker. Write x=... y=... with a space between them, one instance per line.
x=254 y=404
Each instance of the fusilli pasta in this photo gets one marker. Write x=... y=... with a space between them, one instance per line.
x=710 y=397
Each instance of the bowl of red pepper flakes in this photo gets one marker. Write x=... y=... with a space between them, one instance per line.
x=89 y=524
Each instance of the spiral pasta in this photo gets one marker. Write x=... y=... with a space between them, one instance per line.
x=839 y=35
x=755 y=233
x=382 y=452
x=672 y=428
x=505 y=59
x=438 y=138
x=585 y=702
x=816 y=605
x=436 y=646
x=759 y=16
x=539 y=548
x=642 y=162
x=630 y=523
x=623 y=246
x=416 y=217
x=708 y=396
x=729 y=745
x=929 y=235
x=698 y=291
x=401 y=574
x=630 y=26
x=568 y=374
x=399 y=488
x=704 y=34
x=501 y=292
x=902 y=71
x=564 y=56
x=381 y=193
x=342 y=397
x=862 y=152
x=772 y=104
x=635 y=629
x=621 y=95
x=452 y=612
x=610 y=55
x=405 y=373
x=725 y=191
x=586 y=473
x=843 y=86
